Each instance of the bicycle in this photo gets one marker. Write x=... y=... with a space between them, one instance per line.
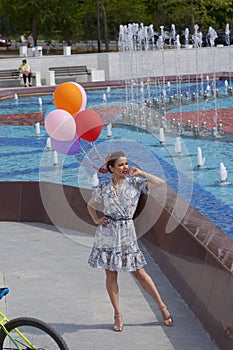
x=27 y=333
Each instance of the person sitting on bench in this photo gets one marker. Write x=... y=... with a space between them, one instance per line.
x=25 y=70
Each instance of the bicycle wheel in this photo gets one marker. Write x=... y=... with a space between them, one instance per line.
x=41 y=335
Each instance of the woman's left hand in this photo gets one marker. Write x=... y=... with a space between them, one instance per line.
x=133 y=171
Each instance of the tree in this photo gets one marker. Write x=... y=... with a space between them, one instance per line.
x=104 y=15
x=112 y=13
x=41 y=17
x=124 y=12
x=187 y=13
x=75 y=20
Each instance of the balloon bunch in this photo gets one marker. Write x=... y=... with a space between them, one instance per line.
x=69 y=121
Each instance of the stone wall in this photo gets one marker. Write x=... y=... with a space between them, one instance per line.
x=186 y=255
x=132 y=65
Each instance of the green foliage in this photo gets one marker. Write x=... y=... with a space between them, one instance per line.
x=71 y=20
x=48 y=19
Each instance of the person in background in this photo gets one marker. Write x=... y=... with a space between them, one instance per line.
x=47 y=47
x=30 y=40
x=23 y=40
x=25 y=70
x=116 y=248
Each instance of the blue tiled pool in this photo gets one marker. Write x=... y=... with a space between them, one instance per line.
x=32 y=104
x=119 y=96
x=24 y=158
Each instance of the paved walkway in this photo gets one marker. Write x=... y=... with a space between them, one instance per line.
x=49 y=278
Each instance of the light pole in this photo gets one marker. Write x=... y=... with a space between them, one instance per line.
x=98 y=24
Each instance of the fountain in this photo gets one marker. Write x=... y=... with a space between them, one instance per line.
x=48 y=144
x=104 y=97
x=212 y=36
x=178 y=146
x=197 y=39
x=149 y=109
x=227 y=32
x=178 y=77
x=161 y=136
x=186 y=34
x=172 y=38
x=55 y=158
x=37 y=129
x=95 y=180
x=200 y=159
x=109 y=129
x=223 y=175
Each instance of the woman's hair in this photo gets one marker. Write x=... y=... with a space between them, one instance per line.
x=112 y=158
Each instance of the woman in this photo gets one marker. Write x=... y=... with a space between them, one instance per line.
x=25 y=70
x=116 y=248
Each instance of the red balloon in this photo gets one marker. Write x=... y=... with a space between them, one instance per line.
x=88 y=125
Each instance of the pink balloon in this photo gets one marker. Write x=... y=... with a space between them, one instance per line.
x=84 y=97
x=60 y=125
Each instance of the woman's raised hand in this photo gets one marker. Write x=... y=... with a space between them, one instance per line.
x=133 y=171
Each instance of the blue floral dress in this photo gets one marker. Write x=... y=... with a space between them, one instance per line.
x=115 y=247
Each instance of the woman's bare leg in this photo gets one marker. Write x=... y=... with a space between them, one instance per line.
x=113 y=292
x=148 y=285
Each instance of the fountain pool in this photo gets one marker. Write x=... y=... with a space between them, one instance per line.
x=32 y=104
x=122 y=96
x=24 y=158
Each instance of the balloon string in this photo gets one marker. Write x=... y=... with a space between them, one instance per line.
x=89 y=160
x=94 y=146
x=85 y=153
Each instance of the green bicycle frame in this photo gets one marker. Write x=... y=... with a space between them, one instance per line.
x=4 y=320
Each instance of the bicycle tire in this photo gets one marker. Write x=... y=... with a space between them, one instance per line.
x=41 y=335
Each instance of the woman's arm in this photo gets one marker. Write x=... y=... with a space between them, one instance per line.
x=92 y=211
x=27 y=67
x=152 y=179
x=99 y=169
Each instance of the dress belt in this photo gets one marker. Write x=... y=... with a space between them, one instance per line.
x=118 y=219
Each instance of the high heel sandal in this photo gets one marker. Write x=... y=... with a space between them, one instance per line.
x=119 y=327
x=229 y=331
x=167 y=319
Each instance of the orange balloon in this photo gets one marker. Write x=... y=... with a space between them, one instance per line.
x=68 y=96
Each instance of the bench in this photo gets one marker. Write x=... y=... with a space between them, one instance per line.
x=9 y=74
x=11 y=77
x=70 y=73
